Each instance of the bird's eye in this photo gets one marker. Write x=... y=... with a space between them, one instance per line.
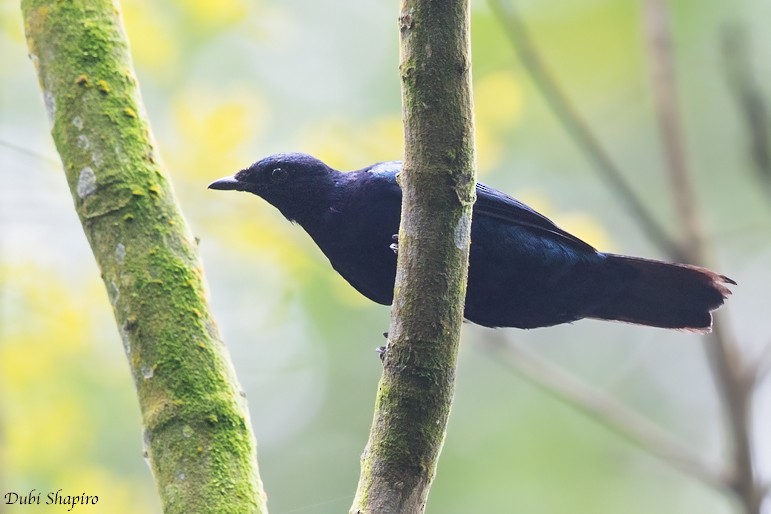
x=279 y=175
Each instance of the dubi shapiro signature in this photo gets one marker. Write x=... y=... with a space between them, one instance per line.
x=53 y=498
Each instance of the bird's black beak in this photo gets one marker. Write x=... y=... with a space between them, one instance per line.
x=226 y=184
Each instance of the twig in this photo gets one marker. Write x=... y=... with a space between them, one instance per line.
x=30 y=153
x=578 y=129
x=606 y=410
x=762 y=365
x=667 y=111
x=752 y=105
x=736 y=391
x=723 y=353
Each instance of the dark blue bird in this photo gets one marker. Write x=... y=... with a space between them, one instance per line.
x=524 y=271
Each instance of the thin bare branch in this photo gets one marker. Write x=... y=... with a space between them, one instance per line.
x=668 y=114
x=578 y=129
x=723 y=352
x=725 y=357
x=607 y=411
x=30 y=153
x=751 y=103
x=736 y=390
x=762 y=365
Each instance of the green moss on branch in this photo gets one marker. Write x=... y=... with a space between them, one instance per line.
x=197 y=432
x=438 y=185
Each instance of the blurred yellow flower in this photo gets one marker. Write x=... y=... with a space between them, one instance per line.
x=48 y=357
x=497 y=108
x=580 y=224
x=586 y=227
x=153 y=45
x=212 y=128
x=47 y=418
x=9 y=22
x=498 y=99
x=346 y=144
x=349 y=145
x=214 y=15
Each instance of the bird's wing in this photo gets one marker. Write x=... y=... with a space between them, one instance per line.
x=495 y=204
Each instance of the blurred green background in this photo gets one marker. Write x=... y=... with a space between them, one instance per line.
x=228 y=82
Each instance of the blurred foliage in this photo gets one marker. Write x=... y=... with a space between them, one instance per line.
x=66 y=398
x=226 y=83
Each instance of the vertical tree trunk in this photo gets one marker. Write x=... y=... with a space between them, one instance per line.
x=197 y=433
x=438 y=184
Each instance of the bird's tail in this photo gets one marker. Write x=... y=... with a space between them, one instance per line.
x=664 y=295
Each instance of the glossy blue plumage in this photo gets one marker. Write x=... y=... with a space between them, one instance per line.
x=524 y=271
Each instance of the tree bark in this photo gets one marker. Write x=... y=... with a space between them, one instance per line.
x=438 y=185
x=197 y=436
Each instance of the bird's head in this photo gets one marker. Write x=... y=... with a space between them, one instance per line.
x=292 y=182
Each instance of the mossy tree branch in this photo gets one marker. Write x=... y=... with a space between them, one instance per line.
x=438 y=185
x=197 y=432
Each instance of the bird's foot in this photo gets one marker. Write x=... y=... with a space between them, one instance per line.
x=395 y=245
x=381 y=350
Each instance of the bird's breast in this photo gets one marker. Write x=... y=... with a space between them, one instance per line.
x=358 y=248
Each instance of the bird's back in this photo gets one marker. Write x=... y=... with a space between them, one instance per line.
x=524 y=271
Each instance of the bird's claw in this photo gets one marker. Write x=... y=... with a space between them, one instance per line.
x=381 y=350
